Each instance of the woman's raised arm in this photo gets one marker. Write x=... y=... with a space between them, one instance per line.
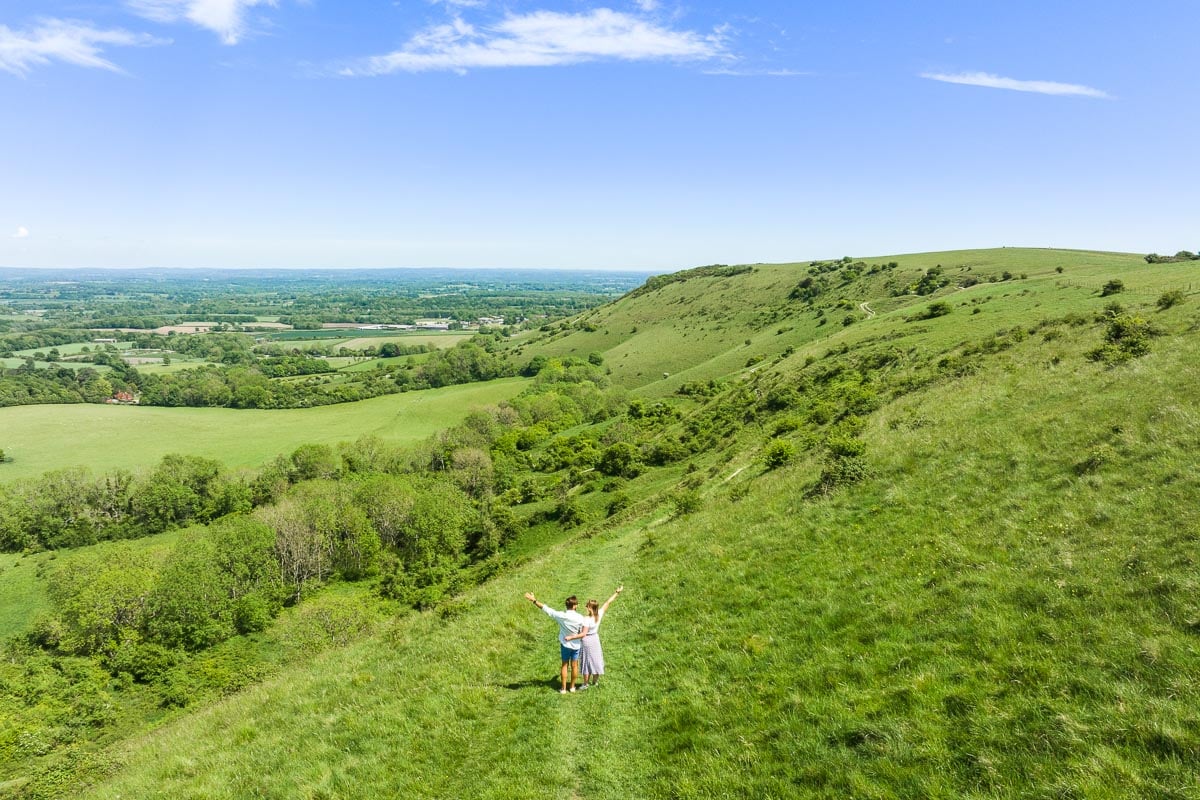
x=608 y=602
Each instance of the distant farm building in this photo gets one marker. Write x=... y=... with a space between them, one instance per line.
x=489 y=322
x=123 y=399
x=433 y=324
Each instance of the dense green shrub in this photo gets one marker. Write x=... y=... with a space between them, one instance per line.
x=841 y=472
x=570 y=514
x=686 y=501
x=938 y=309
x=666 y=450
x=618 y=502
x=779 y=453
x=1114 y=286
x=100 y=597
x=621 y=459
x=1169 y=299
x=786 y=424
x=1126 y=337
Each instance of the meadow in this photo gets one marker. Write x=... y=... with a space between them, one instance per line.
x=871 y=554
x=979 y=618
x=103 y=437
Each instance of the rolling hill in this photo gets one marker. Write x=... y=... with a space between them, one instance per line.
x=911 y=526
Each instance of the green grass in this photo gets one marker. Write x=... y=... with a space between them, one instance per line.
x=14 y=363
x=1005 y=607
x=978 y=619
x=22 y=594
x=339 y=336
x=706 y=328
x=370 y=364
x=439 y=340
x=177 y=365
x=41 y=438
x=71 y=349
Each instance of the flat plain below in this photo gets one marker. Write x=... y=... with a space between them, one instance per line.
x=103 y=438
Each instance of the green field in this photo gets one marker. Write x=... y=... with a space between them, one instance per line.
x=974 y=575
x=177 y=364
x=339 y=336
x=22 y=595
x=73 y=349
x=41 y=438
x=14 y=363
x=975 y=620
x=356 y=365
x=438 y=340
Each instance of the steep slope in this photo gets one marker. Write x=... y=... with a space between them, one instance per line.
x=707 y=323
x=974 y=575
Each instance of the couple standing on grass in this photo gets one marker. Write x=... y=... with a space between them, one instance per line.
x=579 y=640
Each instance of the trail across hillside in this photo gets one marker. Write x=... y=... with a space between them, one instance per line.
x=866 y=309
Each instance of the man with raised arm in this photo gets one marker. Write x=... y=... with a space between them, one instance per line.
x=572 y=627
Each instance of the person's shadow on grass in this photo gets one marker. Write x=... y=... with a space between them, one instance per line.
x=535 y=683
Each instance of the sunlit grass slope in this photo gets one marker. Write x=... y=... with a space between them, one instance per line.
x=22 y=595
x=1007 y=606
x=710 y=327
x=41 y=438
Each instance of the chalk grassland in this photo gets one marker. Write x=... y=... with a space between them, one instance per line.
x=1005 y=606
x=981 y=617
x=706 y=328
x=41 y=438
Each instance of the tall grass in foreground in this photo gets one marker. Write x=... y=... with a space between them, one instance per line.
x=1006 y=608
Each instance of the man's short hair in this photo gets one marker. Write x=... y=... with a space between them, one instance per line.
x=571 y=602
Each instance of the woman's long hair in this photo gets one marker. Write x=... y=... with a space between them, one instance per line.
x=593 y=609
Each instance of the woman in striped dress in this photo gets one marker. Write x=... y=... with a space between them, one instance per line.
x=591 y=659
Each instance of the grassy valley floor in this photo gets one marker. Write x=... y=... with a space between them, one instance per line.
x=45 y=437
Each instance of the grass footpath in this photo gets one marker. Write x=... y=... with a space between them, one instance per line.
x=44 y=437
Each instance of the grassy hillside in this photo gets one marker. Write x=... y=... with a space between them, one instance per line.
x=41 y=438
x=977 y=619
x=917 y=555
x=701 y=328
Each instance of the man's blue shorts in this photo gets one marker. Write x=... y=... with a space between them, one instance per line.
x=567 y=653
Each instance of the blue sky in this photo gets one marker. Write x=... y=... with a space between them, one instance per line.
x=577 y=134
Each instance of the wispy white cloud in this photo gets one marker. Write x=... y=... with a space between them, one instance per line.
x=543 y=39
x=647 y=5
x=71 y=42
x=997 y=82
x=769 y=73
x=226 y=18
x=22 y=232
